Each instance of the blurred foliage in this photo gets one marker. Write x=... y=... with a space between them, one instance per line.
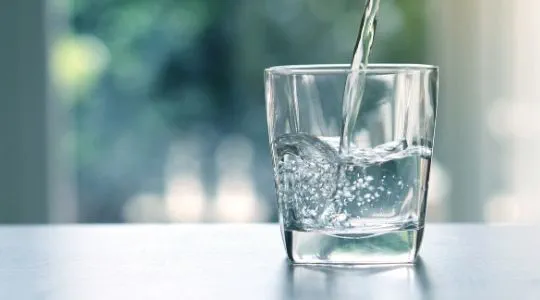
x=143 y=73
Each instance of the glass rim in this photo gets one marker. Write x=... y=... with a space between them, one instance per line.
x=327 y=69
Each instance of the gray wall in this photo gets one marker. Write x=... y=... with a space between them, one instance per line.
x=23 y=134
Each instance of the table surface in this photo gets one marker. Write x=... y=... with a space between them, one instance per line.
x=248 y=262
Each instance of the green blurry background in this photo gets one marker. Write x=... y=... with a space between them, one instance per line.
x=153 y=110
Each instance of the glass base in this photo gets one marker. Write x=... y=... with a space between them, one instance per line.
x=320 y=247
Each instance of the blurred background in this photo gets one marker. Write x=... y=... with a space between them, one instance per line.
x=153 y=110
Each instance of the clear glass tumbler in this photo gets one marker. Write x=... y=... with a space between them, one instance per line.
x=361 y=204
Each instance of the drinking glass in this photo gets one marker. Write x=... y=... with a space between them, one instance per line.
x=364 y=202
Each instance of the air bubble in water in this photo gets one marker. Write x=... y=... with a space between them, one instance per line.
x=314 y=193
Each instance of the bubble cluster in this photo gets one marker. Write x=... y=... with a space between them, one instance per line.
x=318 y=189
